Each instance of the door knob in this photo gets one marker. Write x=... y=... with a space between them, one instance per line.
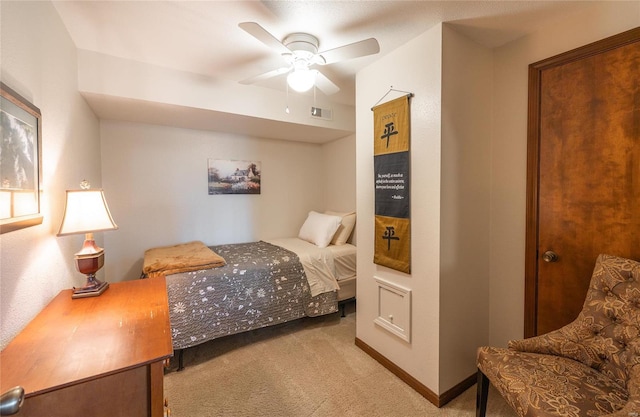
x=550 y=256
x=11 y=401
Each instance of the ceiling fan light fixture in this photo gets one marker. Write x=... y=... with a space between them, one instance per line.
x=300 y=51
x=301 y=79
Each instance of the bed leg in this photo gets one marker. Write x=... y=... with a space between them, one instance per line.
x=343 y=303
x=180 y=359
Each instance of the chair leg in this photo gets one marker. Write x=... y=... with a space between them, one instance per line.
x=482 y=394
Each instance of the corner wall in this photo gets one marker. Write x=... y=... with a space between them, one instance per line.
x=414 y=67
x=465 y=197
x=450 y=77
x=38 y=60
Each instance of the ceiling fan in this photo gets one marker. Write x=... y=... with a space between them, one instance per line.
x=300 y=52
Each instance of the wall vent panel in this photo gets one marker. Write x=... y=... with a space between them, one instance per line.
x=320 y=113
x=394 y=309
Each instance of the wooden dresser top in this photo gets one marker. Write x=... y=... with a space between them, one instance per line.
x=76 y=340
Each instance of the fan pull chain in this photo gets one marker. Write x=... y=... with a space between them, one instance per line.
x=286 y=110
x=314 y=95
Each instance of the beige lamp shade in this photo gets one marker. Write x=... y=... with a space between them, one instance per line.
x=86 y=211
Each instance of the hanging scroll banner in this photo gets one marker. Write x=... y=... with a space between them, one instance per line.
x=392 y=197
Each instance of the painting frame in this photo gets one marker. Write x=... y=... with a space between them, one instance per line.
x=230 y=176
x=20 y=180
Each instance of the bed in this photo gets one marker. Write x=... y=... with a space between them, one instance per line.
x=246 y=286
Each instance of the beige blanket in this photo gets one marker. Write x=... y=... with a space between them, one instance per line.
x=192 y=256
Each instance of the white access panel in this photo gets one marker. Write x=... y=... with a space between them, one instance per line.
x=394 y=309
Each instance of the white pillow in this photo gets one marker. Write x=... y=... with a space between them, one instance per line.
x=346 y=227
x=319 y=228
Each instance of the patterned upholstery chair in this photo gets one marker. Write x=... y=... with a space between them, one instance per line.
x=590 y=367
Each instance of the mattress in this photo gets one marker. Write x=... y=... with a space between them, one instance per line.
x=344 y=259
x=328 y=265
x=347 y=289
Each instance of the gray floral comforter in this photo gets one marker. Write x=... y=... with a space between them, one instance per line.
x=261 y=285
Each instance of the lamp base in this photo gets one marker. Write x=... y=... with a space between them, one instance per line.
x=89 y=261
x=92 y=288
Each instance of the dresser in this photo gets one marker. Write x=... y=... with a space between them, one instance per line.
x=97 y=356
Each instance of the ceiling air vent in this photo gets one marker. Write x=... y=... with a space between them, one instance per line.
x=319 y=113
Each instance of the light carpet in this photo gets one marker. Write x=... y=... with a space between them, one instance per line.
x=306 y=368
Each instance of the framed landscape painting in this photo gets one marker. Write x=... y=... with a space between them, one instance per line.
x=20 y=161
x=233 y=177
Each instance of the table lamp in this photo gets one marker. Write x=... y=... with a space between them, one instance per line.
x=86 y=211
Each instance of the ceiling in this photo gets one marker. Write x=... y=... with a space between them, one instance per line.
x=203 y=37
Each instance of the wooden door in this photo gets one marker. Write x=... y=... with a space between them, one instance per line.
x=583 y=174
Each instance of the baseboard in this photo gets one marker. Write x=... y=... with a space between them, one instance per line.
x=435 y=399
x=458 y=389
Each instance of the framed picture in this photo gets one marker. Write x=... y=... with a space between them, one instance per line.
x=234 y=177
x=20 y=161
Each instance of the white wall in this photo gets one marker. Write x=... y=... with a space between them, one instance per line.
x=414 y=67
x=38 y=60
x=465 y=197
x=155 y=180
x=104 y=75
x=509 y=153
x=339 y=159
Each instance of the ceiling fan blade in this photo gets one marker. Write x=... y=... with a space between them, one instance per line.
x=353 y=50
x=326 y=85
x=266 y=75
x=261 y=34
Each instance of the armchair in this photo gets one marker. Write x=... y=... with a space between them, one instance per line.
x=590 y=367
